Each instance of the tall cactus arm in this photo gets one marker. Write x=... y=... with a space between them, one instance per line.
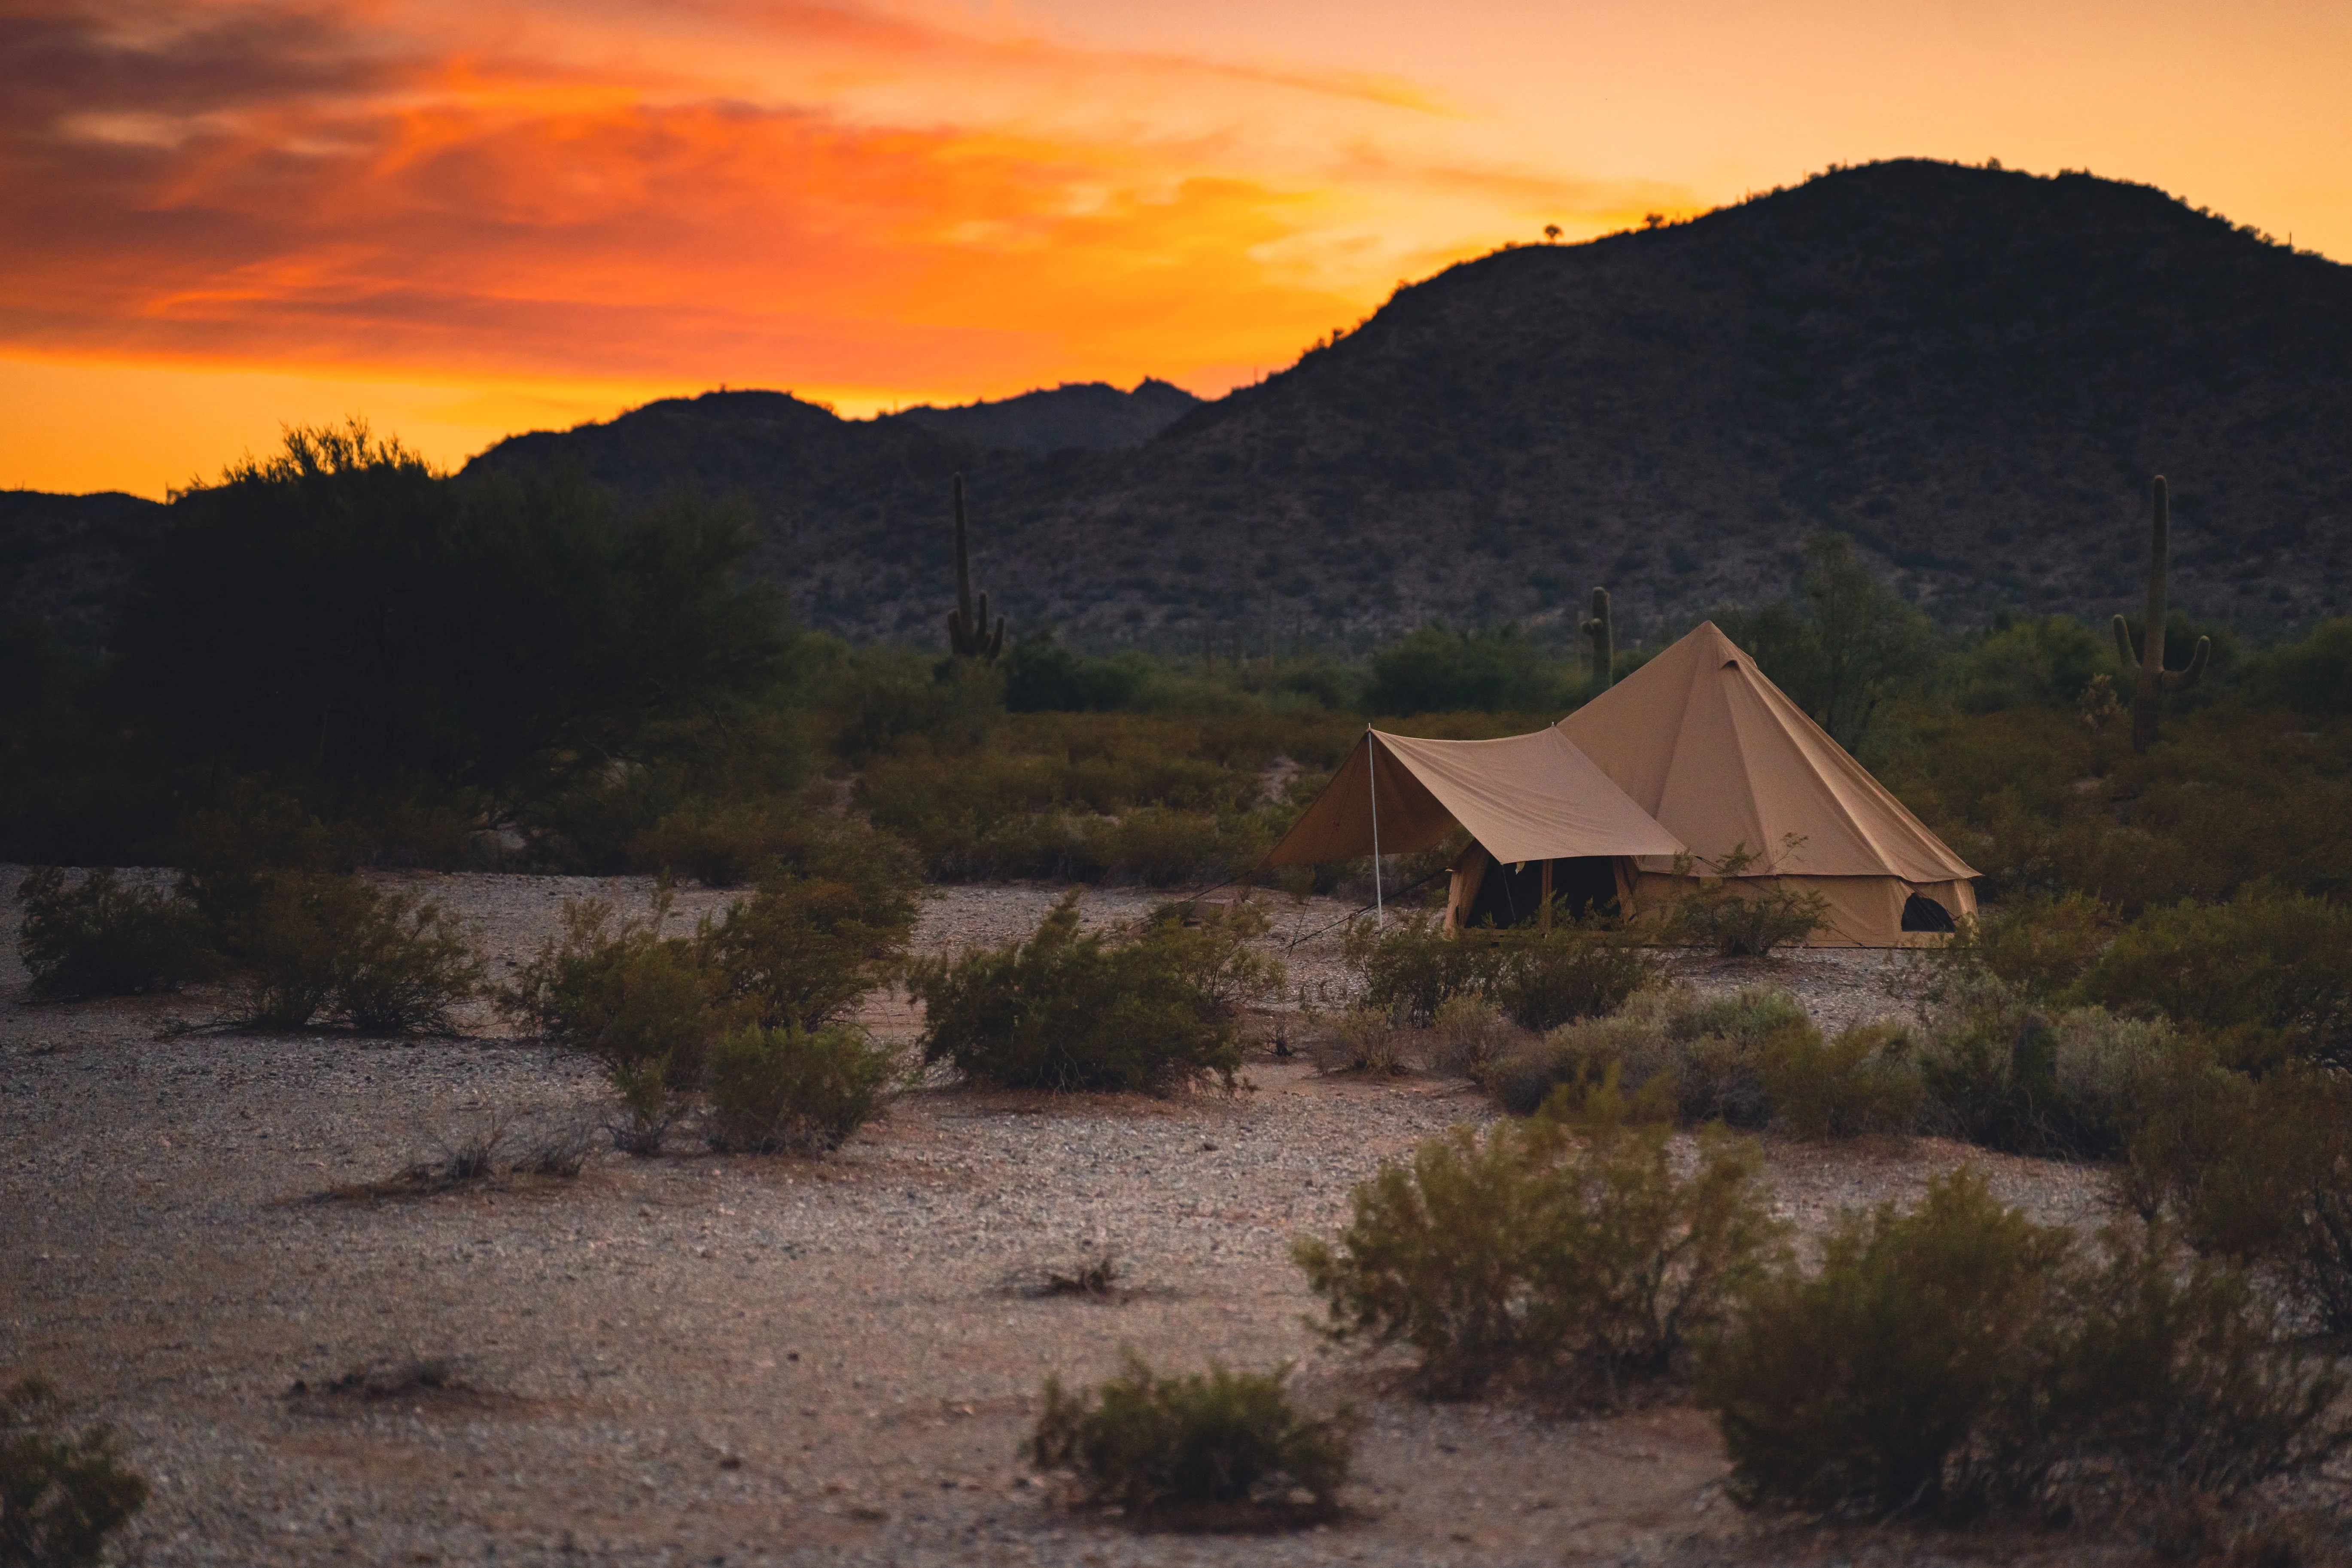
x=2124 y=648
x=2182 y=680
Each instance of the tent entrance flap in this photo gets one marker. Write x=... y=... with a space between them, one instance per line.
x=1488 y=892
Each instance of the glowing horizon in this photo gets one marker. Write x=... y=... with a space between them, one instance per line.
x=462 y=221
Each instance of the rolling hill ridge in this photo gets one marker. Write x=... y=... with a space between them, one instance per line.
x=1971 y=372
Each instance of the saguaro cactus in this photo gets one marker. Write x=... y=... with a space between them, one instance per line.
x=1597 y=628
x=2145 y=663
x=968 y=630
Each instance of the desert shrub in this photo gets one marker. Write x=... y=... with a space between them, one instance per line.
x=2071 y=1083
x=1149 y=1008
x=632 y=998
x=1433 y=669
x=815 y=937
x=61 y=1494
x=2267 y=960
x=1568 y=1251
x=1361 y=1039
x=791 y=1091
x=1862 y=1384
x=1411 y=966
x=2156 y=1373
x=1576 y=970
x=2313 y=675
x=1468 y=1038
x=1040 y=676
x=2256 y=1170
x=101 y=937
x=502 y=1142
x=1741 y=919
x=1221 y=1444
x=2037 y=944
x=1709 y=1049
x=1863 y=1080
x=1958 y=1356
x=404 y=965
x=2031 y=662
x=1163 y=848
x=234 y=851
x=723 y=843
x=385 y=962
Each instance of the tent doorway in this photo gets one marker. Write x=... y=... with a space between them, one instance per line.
x=1493 y=893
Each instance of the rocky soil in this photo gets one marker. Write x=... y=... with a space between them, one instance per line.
x=702 y=1359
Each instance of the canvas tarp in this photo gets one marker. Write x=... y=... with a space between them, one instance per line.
x=1526 y=797
x=1724 y=760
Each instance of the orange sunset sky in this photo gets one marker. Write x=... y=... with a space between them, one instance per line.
x=461 y=220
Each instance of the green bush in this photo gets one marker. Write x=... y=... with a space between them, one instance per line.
x=1042 y=676
x=1469 y=1039
x=2259 y=1172
x=101 y=937
x=2038 y=944
x=1149 y=1008
x=1865 y=1384
x=1741 y=919
x=2313 y=676
x=1361 y=1039
x=1411 y=966
x=2069 y=1082
x=2267 y=960
x=60 y=1494
x=815 y=937
x=1544 y=979
x=1568 y=1250
x=790 y=1090
x=723 y=843
x=632 y=998
x=1434 y=670
x=2157 y=1374
x=1708 y=1049
x=1866 y=1080
x=379 y=961
x=1211 y=1448
x=1959 y=1355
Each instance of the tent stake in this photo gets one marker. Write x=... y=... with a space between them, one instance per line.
x=1371 y=772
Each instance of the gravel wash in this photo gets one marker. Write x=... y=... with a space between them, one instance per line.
x=700 y=1359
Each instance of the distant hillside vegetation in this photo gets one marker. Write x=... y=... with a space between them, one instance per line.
x=1971 y=372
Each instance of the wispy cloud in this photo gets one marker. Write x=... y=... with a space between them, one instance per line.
x=781 y=192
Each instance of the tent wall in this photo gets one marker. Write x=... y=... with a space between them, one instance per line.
x=1863 y=912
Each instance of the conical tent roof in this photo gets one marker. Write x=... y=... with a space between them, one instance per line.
x=1525 y=797
x=1700 y=739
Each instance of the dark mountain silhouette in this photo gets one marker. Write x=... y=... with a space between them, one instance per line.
x=1093 y=416
x=1971 y=372
x=67 y=560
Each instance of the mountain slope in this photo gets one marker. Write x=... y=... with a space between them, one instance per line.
x=1971 y=372
x=1093 y=416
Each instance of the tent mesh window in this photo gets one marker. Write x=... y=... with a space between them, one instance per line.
x=1921 y=912
x=1509 y=895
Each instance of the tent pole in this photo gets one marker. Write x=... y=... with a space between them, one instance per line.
x=1371 y=773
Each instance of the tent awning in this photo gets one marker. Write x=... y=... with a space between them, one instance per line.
x=1525 y=797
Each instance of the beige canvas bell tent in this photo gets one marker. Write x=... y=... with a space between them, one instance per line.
x=1544 y=821
x=1702 y=742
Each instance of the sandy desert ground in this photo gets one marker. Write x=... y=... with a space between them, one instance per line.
x=733 y=1360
